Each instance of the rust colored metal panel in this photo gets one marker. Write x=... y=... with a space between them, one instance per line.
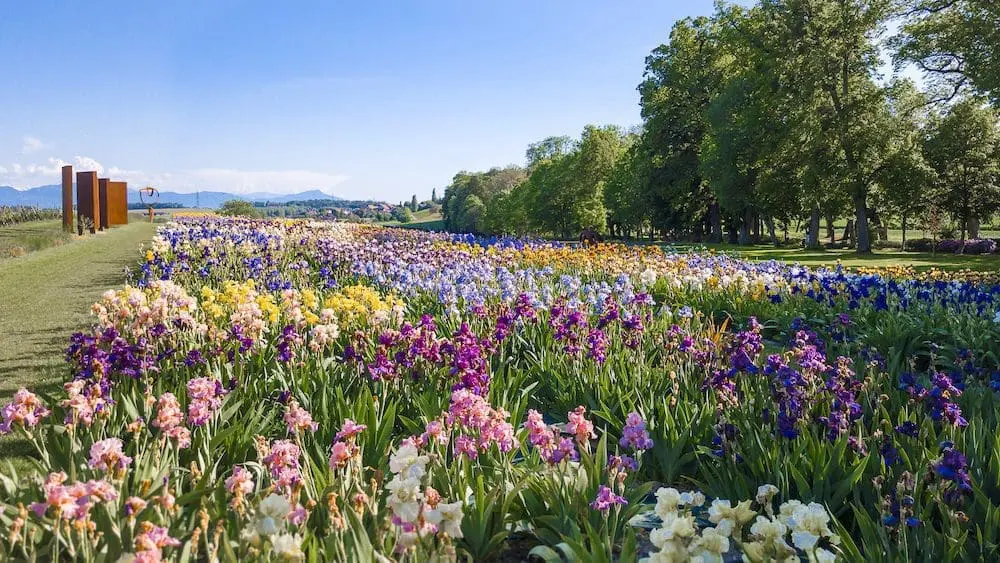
x=88 y=203
x=117 y=203
x=67 y=198
x=102 y=197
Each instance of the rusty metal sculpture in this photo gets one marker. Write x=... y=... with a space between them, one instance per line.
x=149 y=195
x=100 y=203
x=88 y=203
x=67 y=198
x=102 y=192
x=117 y=203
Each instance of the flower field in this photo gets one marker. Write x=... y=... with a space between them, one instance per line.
x=272 y=390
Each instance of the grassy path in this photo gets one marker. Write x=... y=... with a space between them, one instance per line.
x=46 y=296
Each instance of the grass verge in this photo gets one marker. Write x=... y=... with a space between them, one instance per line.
x=424 y=220
x=21 y=239
x=46 y=296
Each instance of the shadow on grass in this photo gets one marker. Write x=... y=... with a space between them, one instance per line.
x=49 y=384
x=31 y=331
x=44 y=349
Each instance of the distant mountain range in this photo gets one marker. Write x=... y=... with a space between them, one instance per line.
x=51 y=196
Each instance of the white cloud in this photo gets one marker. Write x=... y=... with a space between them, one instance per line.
x=87 y=164
x=32 y=174
x=214 y=179
x=32 y=144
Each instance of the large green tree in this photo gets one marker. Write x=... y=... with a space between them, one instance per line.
x=462 y=216
x=749 y=153
x=830 y=52
x=963 y=148
x=598 y=151
x=680 y=80
x=956 y=43
x=239 y=208
x=625 y=196
x=567 y=188
x=548 y=205
x=504 y=213
x=547 y=149
x=907 y=180
x=463 y=185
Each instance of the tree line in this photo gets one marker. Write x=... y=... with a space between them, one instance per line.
x=786 y=112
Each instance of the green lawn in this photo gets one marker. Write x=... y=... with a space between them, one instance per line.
x=46 y=296
x=918 y=260
x=894 y=233
x=425 y=220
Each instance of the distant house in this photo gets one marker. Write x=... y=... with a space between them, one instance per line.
x=380 y=207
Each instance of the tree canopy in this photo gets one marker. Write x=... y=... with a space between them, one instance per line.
x=755 y=118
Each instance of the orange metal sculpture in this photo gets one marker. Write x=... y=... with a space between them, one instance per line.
x=117 y=203
x=102 y=191
x=88 y=203
x=149 y=195
x=67 y=198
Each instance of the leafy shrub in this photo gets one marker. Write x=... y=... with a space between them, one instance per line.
x=981 y=246
x=971 y=246
x=238 y=208
x=887 y=244
x=402 y=214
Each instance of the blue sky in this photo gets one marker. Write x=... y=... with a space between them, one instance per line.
x=361 y=99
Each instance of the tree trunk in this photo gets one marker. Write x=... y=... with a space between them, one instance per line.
x=771 y=232
x=903 y=225
x=715 y=216
x=745 y=228
x=961 y=249
x=812 y=234
x=831 y=233
x=864 y=245
x=973 y=227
